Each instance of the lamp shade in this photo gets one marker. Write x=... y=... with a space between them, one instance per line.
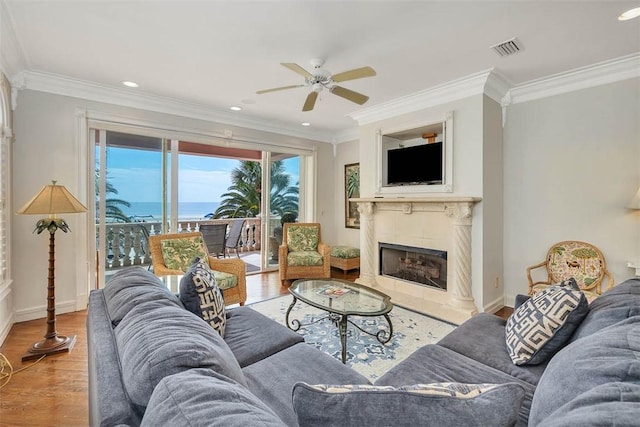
x=635 y=201
x=52 y=199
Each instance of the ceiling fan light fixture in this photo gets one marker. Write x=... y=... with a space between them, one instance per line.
x=629 y=14
x=317 y=87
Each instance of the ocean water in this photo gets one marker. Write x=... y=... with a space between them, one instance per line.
x=152 y=211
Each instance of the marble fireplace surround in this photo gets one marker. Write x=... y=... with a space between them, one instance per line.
x=442 y=223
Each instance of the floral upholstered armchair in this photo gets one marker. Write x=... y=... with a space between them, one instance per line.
x=582 y=261
x=302 y=254
x=174 y=253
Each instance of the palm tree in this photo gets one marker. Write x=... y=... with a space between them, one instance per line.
x=243 y=197
x=113 y=212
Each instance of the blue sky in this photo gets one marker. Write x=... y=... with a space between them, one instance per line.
x=137 y=177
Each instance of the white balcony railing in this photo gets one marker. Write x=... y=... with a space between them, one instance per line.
x=128 y=244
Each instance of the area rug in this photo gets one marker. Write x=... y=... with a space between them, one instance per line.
x=365 y=354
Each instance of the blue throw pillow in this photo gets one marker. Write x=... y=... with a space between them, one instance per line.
x=544 y=323
x=203 y=398
x=443 y=404
x=201 y=295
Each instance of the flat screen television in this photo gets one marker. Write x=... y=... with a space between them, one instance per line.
x=417 y=165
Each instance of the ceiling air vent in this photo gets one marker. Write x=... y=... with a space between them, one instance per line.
x=507 y=48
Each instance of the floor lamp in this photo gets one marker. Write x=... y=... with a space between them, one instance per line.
x=51 y=200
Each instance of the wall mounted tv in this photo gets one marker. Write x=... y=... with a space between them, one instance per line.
x=416 y=165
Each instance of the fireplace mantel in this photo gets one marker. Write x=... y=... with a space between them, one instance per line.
x=446 y=220
x=445 y=199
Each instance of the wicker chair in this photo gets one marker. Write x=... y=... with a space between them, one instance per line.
x=237 y=267
x=289 y=269
x=582 y=261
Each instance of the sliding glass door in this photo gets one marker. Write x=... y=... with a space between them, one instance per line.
x=131 y=195
x=147 y=185
x=283 y=200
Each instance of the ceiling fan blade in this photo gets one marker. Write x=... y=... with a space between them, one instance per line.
x=357 y=73
x=352 y=96
x=260 y=92
x=297 y=69
x=311 y=101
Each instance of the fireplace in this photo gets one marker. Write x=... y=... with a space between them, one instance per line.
x=422 y=266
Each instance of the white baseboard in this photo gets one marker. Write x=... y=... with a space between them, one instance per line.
x=495 y=305
x=6 y=310
x=5 y=327
x=39 y=312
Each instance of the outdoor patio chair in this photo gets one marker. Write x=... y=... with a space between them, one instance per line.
x=233 y=239
x=302 y=254
x=582 y=261
x=172 y=254
x=215 y=237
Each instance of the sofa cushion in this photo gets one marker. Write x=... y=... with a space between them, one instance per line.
x=482 y=339
x=272 y=379
x=156 y=340
x=435 y=364
x=446 y=404
x=304 y=258
x=543 y=324
x=131 y=287
x=609 y=356
x=252 y=336
x=611 y=404
x=105 y=378
x=178 y=254
x=201 y=397
x=200 y=295
x=616 y=304
x=302 y=238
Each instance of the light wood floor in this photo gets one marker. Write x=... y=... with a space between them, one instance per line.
x=54 y=391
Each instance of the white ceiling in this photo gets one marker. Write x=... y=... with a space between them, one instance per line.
x=219 y=53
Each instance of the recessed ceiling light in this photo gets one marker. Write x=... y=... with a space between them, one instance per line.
x=235 y=108
x=629 y=14
x=305 y=124
x=130 y=84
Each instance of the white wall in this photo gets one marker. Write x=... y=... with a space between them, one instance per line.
x=571 y=164
x=346 y=153
x=45 y=148
x=470 y=128
x=492 y=206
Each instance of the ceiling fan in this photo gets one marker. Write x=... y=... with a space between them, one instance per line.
x=320 y=79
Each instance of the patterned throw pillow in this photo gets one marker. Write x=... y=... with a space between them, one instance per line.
x=200 y=295
x=459 y=390
x=570 y=283
x=543 y=324
x=443 y=404
x=178 y=254
x=302 y=238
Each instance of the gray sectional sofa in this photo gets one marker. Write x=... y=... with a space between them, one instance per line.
x=153 y=363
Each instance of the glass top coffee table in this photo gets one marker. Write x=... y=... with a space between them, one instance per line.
x=341 y=299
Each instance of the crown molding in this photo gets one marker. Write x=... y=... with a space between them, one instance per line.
x=65 y=86
x=610 y=71
x=346 y=135
x=454 y=90
x=488 y=82
x=12 y=57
